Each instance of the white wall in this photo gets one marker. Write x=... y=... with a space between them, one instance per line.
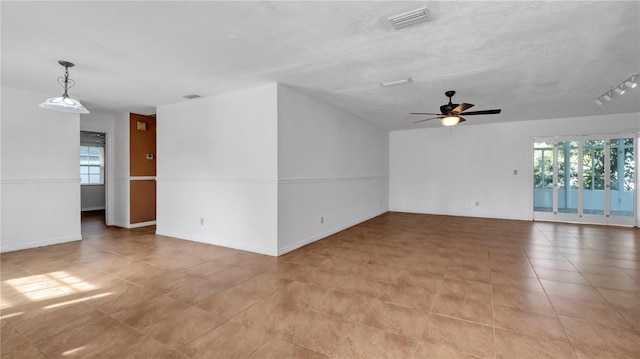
x=332 y=168
x=120 y=172
x=217 y=161
x=447 y=170
x=92 y=197
x=40 y=183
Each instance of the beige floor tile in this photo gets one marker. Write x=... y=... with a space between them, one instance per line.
x=431 y=351
x=321 y=333
x=616 y=341
x=418 y=298
x=344 y=305
x=515 y=280
x=528 y=323
x=10 y=339
x=468 y=309
x=265 y=284
x=589 y=310
x=463 y=289
x=532 y=301
x=367 y=342
x=603 y=270
x=469 y=273
x=562 y=276
x=232 y=276
x=552 y=264
x=592 y=353
x=146 y=313
x=274 y=315
x=230 y=340
x=120 y=296
x=470 y=338
x=399 y=286
x=207 y=269
x=513 y=345
x=196 y=291
x=230 y=302
x=183 y=327
x=277 y=349
x=587 y=292
x=29 y=352
x=395 y=319
x=601 y=281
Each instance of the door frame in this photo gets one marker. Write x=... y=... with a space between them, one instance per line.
x=580 y=216
x=109 y=169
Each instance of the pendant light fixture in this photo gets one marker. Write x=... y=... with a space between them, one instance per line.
x=64 y=103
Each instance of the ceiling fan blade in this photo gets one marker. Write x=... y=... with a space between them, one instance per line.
x=461 y=107
x=484 y=112
x=426 y=119
x=425 y=113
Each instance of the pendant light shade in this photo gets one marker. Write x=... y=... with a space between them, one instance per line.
x=64 y=103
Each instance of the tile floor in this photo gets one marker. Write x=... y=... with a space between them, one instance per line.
x=397 y=286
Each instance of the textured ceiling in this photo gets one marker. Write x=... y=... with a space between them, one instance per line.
x=535 y=60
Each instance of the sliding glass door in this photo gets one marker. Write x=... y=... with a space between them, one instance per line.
x=587 y=179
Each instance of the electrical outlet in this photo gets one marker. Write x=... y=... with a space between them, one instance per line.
x=321 y=220
x=515 y=172
x=477 y=203
x=202 y=221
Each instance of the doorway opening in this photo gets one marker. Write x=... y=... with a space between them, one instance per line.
x=93 y=177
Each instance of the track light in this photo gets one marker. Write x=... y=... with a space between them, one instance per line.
x=620 y=90
x=632 y=81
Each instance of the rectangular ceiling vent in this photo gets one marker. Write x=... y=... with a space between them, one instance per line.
x=410 y=18
x=191 y=96
x=406 y=81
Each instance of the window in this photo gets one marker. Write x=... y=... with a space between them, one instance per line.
x=91 y=165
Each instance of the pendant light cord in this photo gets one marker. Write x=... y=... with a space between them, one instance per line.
x=66 y=82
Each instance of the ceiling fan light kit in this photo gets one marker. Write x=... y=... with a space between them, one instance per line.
x=450 y=113
x=64 y=103
x=450 y=121
x=630 y=83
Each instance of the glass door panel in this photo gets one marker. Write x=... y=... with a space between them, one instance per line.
x=622 y=177
x=588 y=179
x=568 y=176
x=543 y=177
x=593 y=176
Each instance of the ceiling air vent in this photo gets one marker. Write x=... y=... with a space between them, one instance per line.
x=410 y=18
x=192 y=96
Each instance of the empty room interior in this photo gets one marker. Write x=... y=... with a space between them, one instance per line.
x=324 y=179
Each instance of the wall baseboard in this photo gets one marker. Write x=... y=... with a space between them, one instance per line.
x=92 y=209
x=36 y=244
x=142 y=224
x=325 y=234
x=218 y=242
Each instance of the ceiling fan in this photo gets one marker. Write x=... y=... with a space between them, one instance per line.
x=451 y=112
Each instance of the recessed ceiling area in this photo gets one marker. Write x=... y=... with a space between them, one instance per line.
x=535 y=60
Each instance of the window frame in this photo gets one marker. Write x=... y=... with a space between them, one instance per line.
x=100 y=166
